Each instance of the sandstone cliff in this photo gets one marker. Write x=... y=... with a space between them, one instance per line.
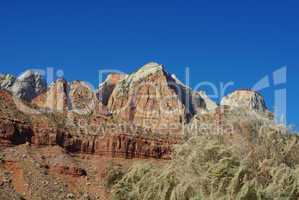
x=154 y=99
x=53 y=129
x=106 y=88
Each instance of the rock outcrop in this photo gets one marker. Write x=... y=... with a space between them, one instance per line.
x=27 y=86
x=245 y=99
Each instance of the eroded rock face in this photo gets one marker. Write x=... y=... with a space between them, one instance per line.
x=154 y=99
x=106 y=88
x=119 y=145
x=55 y=98
x=82 y=98
x=245 y=99
x=76 y=96
x=13 y=132
x=49 y=130
x=209 y=104
x=28 y=85
x=146 y=98
x=14 y=125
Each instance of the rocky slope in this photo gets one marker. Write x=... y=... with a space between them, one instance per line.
x=28 y=172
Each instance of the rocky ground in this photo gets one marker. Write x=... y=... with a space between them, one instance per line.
x=28 y=172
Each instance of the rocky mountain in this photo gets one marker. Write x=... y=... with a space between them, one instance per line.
x=27 y=86
x=77 y=118
x=154 y=99
x=77 y=131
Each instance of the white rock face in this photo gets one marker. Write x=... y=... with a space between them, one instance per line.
x=26 y=86
x=247 y=99
x=200 y=102
x=145 y=71
x=210 y=104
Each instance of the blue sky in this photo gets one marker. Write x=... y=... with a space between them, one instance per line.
x=220 y=41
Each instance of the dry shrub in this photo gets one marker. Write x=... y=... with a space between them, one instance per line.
x=260 y=161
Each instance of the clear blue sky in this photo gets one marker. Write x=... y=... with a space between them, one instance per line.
x=220 y=41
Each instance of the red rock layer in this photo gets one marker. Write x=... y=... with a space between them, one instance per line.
x=114 y=145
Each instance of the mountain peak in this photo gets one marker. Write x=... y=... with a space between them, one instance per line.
x=245 y=98
x=27 y=86
x=29 y=74
x=151 y=66
x=147 y=70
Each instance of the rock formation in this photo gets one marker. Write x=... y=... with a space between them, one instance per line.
x=76 y=96
x=81 y=120
x=27 y=86
x=209 y=104
x=55 y=98
x=45 y=129
x=106 y=88
x=76 y=131
x=246 y=99
x=154 y=99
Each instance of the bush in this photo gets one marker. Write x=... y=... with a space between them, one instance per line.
x=114 y=174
